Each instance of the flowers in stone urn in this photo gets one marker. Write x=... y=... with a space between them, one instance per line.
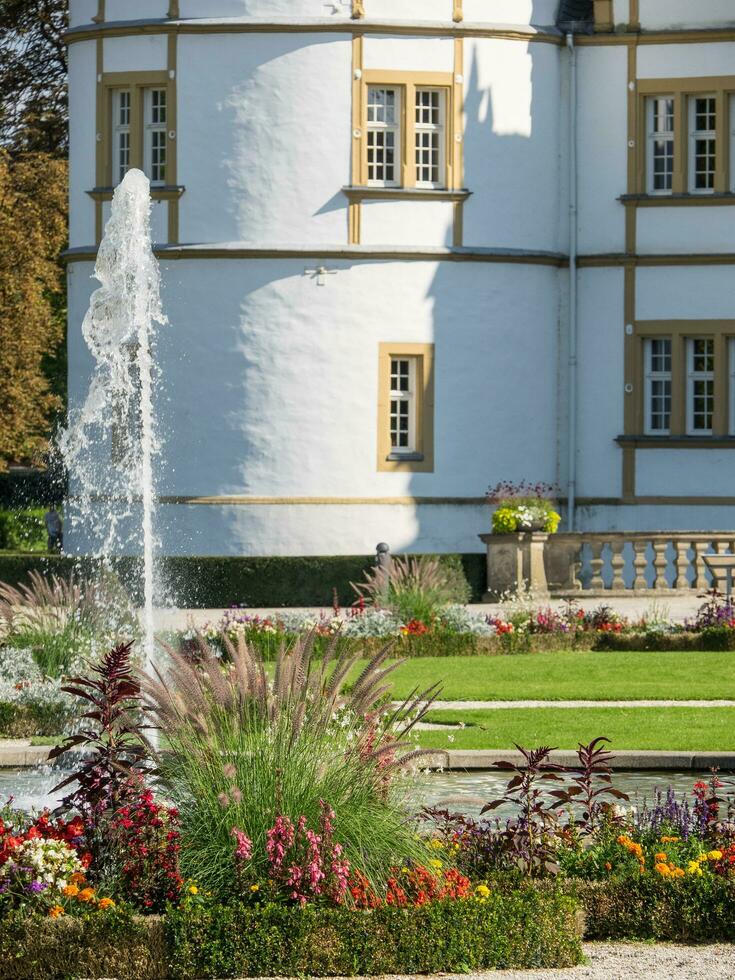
x=523 y=507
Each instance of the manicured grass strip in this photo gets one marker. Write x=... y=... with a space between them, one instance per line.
x=574 y=677
x=674 y=729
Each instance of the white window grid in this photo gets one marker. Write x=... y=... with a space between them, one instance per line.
x=660 y=129
x=121 y=109
x=702 y=143
x=658 y=386
x=403 y=404
x=430 y=137
x=732 y=142
x=731 y=385
x=384 y=136
x=155 y=135
x=700 y=385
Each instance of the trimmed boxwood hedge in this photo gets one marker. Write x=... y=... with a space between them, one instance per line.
x=713 y=638
x=213 y=583
x=521 y=930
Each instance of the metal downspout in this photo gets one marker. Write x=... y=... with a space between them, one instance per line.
x=572 y=339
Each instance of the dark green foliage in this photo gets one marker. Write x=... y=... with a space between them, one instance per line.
x=519 y=930
x=215 y=583
x=686 y=910
x=713 y=638
x=110 y=944
x=23 y=530
x=31 y=488
x=24 y=720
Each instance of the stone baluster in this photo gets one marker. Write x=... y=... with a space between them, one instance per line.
x=700 y=578
x=640 y=563
x=682 y=564
x=659 y=563
x=596 y=563
x=618 y=564
x=577 y=574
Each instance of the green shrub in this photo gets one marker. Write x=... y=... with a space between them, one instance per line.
x=23 y=530
x=714 y=638
x=521 y=930
x=113 y=944
x=685 y=910
x=215 y=583
x=25 y=720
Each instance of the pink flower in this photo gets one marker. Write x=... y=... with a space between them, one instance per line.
x=244 y=848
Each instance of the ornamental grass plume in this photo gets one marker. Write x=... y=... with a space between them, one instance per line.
x=415 y=588
x=244 y=749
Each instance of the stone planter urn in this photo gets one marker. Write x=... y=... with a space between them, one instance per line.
x=514 y=562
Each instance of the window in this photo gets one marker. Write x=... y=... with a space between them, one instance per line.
x=383 y=136
x=430 y=140
x=702 y=143
x=700 y=394
x=731 y=385
x=121 y=134
x=406 y=407
x=138 y=130
x=155 y=135
x=686 y=136
x=658 y=386
x=660 y=113
x=403 y=404
x=408 y=131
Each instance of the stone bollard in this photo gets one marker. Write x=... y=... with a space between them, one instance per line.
x=383 y=563
x=515 y=562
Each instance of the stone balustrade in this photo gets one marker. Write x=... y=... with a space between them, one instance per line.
x=606 y=563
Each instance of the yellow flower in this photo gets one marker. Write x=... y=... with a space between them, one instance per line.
x=482 y=891
x=56 y=911
x=436 y=863
x=254 y=888
x=71 y=891
x=693 y=868
x=436 y=845
x=404 y=871
x=193 y=890
x=714 y=856
x=670 y=840
x=106 y=903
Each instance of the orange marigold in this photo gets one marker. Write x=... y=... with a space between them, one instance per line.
x=56 y=911
x=106 y=903
x=71 y=891
x=86 y=895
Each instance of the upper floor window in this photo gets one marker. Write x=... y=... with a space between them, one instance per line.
x=702 y=143
x=408 y=138
x=689 y=132
x=136 y=132
x=658 y=386
x=660 y=112
x=700 y=393
x=383 y=136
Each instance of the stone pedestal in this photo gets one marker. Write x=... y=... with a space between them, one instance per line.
x=515 y=561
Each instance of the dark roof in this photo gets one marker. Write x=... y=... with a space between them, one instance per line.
x=575 y=12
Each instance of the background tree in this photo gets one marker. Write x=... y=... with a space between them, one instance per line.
x=33 y=100
x=33 y=190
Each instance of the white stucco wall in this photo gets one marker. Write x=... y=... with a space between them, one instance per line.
x=203 y=9
x=669 y=517
x=675 y=14
x=408 y=10
x=420 y=54
x=145 y=53
x=135 y=9
x=512 y=144
x=82 y=144
x=406 y=222
x=81 y=12
x=684 y=472
x=541 y=13
x=602 y=147
x=601 y=383
x=685 y=292
x=686 y=60
x=686 y=230
x=264 y=146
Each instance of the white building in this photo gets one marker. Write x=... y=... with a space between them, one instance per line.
x=363 y=210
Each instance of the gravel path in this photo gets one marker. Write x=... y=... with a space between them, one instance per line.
x=499 y=705
x=630 y=961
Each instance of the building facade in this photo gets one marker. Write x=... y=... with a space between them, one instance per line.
x=414 y=247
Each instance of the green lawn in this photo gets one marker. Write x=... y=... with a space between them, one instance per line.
x=672 y=729
x=574 y=676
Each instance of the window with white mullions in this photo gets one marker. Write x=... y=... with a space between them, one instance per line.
x=660 y=126
x=732 y=142
x=429 y=129
x=702 y=143
x=403 y=404
x=658 y=386
x=121 y=107
x=700 y=385
x=383 y=136
x=155 y=135
x=731 y=386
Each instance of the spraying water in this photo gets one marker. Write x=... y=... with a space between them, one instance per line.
x=111 y=441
